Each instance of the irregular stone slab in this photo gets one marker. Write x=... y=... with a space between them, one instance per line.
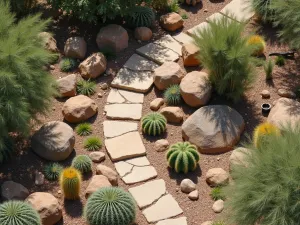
x=114 y=97
x=123 y=168
x=132 y=97
x=154 y=189
x=126 y=146
x=139 y=81
x=13 y=191
x=239 y=10
x=158 y=53
x=124 y=111
x=215 y=17
x=194 y=30
x=141 y=161
x=168 y=42
x=139 y=174
x=183 y=38
x=164 y=208
x=116 y=128
x=139 y=63
x=178 y=221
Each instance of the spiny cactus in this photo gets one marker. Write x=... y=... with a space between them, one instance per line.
x=83 y=163
x=154 y=124
x=110 y=206
x=259 y=43
x=262 y=131
x=52 y=171
x=172 y=95
x=18 y=213
x=183 y=157
x=141 y=16
x=70 y=182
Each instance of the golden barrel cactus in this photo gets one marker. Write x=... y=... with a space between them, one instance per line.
x=262 y=131
x=70 y=182
x=259 y=43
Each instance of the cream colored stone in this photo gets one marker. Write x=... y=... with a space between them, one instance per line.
x=218 y=206
x=173 y=114
x=156 y=104
x=124 y=111
x=168 y=42
x=97 y=157
x=161 y=145
x=116 y=128
x=111 y=175
x=93 y=66
x=139 y=63
x=217 y=177
x=139 y=174
x=177 y=221
x=239 y=10
x=171 y=21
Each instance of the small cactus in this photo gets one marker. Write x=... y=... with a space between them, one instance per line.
x=172 y=95
x=83 y=163
x=70 y=182
x=154 y=124
x=183 y=157
x=259 y=43
x=52 y=171
x=262 y=131
x=141 y=16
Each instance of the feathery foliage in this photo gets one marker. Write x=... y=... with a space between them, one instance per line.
x=217 y=193
x=92 y=143
x=52 y=171
x=84 y=129
x=183 y=157
x=70 y=182
x=67 y=64
x=172 y=95
x=110 y=205
x=258 y=43
x=154 y=124
x=262 y=132
x=227 y=56
x=83 y=163
x=280 y=61
x=263 y=8
x=25 y=88
x=141 y=16
x=18 y=213
x=268 y=68
x=86 y=87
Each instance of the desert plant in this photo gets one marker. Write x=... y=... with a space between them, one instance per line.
x=280 y=61
x=183 y=157
x=154 y=124
x=18 y=213
x=83 y=163
x=141 y=16
x=262 y=133
x=161 y=5
x=86 y=87
x=224 y=52
x=174 y=6
x=268 y=68
x=172 y=95
x=184 y=16
x=70 y=182
x=21 y=7
x=92 y=143
x=67 y=64
x=263 y=8
x=258 y=43
x=110 y=205
x=52 y=171
x=217 y=193
x=84 y=129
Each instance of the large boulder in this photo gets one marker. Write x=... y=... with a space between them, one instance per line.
x=195 y=89
x=173 y=114
x=79 y=108
x=143 y=33
x=13 y=191
x=189 y=55
x=67 y=86
x=53 y=141
x=49 y=42
x=286 y=111
x=47 y=206
x=167 y=74
x=171 y=21
x=75 y=47
x=93 y=66
x=214 y=128
x=112 y=37
x=98 y=181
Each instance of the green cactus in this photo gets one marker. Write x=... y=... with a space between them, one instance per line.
x=183 y=157
x=154 y=124
x=110 y=206
x=52 y=171
x=18 y=213
x=141 y=16
x=172 y=95
x=70 y=182
x=83 y=163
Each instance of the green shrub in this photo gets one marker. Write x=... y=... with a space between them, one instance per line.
x=67 y=64
x=268 y=67
x=154 y=124
x=172 y=95
x=217 y=193
x=224 y=52
x=83 y=163
x=110 y=205
x=21 y=7
x=52 y=171
x=26 y=89
x=183 y=157
x=280 y=61
x=70 y=183
x=141 y=16
x=174 y=6
x=160 y=4
x=86 y=87
x=92 y=144
x=18 y=213
x=263 y=9
x=84 y=129
x=267 y=191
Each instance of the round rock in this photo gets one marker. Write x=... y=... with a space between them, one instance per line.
x=93 y=66
x=143 y=33
x=187 y=186
x=173 y=114
x=156 y=104
x=217 y=177
x=265 y=94
x=171 y=21
x=194 y=195
x=239 y=157
x=97 y=157
x=75 y=47
x=286 y=93
x=67 y=86
x=13 y=191
x=218 y=206
x=161 y=145
x=111 y=175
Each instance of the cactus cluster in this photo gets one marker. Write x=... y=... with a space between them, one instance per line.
x=172 y=95
x=259 y=43
x=262 y=132
x=183 y=157
x=141 y=16
x=83 y=163
x=110 y=206
x=52 y=171
x=154 y=124
x=70 y=182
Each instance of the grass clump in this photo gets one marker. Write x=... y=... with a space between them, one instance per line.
x=172 y=95
x=184 y=16
x=84 y=129
x=263 y=8
x=52 y=171
x=86 y=87
x=174 y=6
x=217 y=193
x=280 y=61
x=92 y=144
x=268 y=68
x=67 y=64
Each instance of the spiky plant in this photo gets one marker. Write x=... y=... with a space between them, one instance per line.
x=86 y=87
x=172 y=95
x=141 y=16
x=92 y=144
x=83 y=163
x=67 y=64
x=259 y=44
x=268 y=68
x=18 y=213
x=84 y=129
x=280 y=61
x=70 y=182
x=183 y=157
x=52 y=171
x=262 y=133
x=217 y=193
x=174 y=6
x=154 y=124
x=110 y=205
x=263 y=9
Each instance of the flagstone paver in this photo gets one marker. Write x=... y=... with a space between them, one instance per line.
x=124 y=111
x=121 y=96
x=139 y=63
x=141 y=161
x=178 y=221
x=239 y=10
x=183 y=38
x=116 y=128
x=139 y=174
x=194 y=30
x=168 y=42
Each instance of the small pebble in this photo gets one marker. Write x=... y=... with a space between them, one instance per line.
x=104 y=86
x=100 y=95
x=59 y=192
x=205 y=10
x=218 y=158
x=52 y=67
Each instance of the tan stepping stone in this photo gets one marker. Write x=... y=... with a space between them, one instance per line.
x=178 y=221
x=124 y=111
x=165 y=208
x=170 y=43
x=183 y=38
x=158 y=53
x=139 y=63
x=154 y=189
x=127 y=146
x=115 y=97
x=215 y=16
x=123 y=168
x=195 y=29
x=139 y=174
x=139 y=81
x=141 y=161
x=121 y=96
x=239 y=10
x=116 y=128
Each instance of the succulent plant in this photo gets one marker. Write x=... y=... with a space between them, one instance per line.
x=141 y=16
x=280 y=61
x=154 y=124
x=83 y=129
x=259 y=43
x=172 y=95
x=86 y=87
x=70 y=182
x=52 y=171
x=262 y=132
x=110 y=206
x=67 y=64
x=268 y=68
x=83 y=163
x=92 y=144
x=217 y=193
x=18 y=213
x=183 y=157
